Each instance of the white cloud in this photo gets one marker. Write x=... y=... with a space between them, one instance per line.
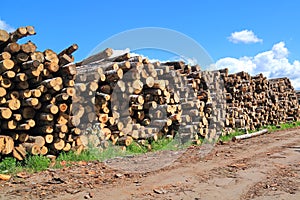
x=5 y=26
x=244 y=36
x=273 y=64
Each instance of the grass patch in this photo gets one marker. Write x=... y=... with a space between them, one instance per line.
x=90 y=154
x=31 y=164
x=9 y=165
x=36 y=163
x=136 y=148
x=271 y=128
x=166 y=144
x=229 y=137
x=163 y=144
x=86 y=155
x=284 y=126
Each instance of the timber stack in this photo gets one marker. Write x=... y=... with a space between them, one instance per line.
x=48 y=104
x=36 y=90
x=298 y=96
x=255 y=101
x=123 y=98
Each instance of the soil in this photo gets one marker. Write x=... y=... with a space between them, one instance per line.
x=264 y=167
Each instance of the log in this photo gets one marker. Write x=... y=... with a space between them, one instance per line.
x=4 y=36
x=5 y=56
x=6 y=144
x=5 y=113
x=250 y=135
x=6 y=65
x=99 y=56
x=4 y=177
x=38 y=140
x=32 y=148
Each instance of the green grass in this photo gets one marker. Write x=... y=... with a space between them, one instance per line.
x=284 y=126
x=271 y=128
x=90 y=154
x=164 y=144
x=229 y=137
x=136 y=148
x=10 y=165
x=36 y=163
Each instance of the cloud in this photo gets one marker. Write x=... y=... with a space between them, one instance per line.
x=244 y=36
x=273 y=64
x=5 y=26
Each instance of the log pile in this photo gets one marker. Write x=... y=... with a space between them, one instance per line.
x=298 y=96
x=126 y=98
x=255 y=101
x=35 y=97
x=48 y=104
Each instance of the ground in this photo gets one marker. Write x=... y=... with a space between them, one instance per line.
x=265 y=167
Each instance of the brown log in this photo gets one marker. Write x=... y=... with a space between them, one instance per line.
x=9 y=74
x=20 y=77
x=30 y=102
x=6 y=145
x=39 y=56
x=99 y=56
x=4 y=36
x=50 y=108
x=32 y=148
x=28 y=112
x=126 y=141
x=43 y=150
x=6 y=65
x=5 y=113
x=51 y=66
x=12 y=48
x=58 y=145
x=48 y=138
x=71 y=49
x=28 y=47
x=2 y=92
x=51 y=56
x=30 y=30
x=69 y=90
x=19 y=152
x=23 y=137
x=38 y=140
x=13 y=104
x=5 y=55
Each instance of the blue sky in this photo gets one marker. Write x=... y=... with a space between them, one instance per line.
x=209 y=22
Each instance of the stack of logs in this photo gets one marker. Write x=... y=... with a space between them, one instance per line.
x=255 y=101
x=124 y=98
x=298 y=96
x=48 y=104
x=36 y=90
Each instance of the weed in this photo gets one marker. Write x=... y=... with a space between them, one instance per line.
x=230 y=136
x=8 y=165
x=36 y=163
x=271 y=128
x=136 y=148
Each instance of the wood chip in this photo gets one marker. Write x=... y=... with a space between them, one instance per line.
x=5 y=177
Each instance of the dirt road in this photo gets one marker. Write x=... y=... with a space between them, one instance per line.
x=265 y=167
